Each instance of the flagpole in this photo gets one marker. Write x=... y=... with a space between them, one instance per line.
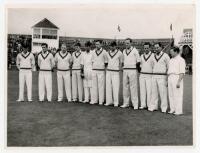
x=172 y=38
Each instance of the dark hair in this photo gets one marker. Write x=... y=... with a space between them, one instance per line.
x=129 y=39
x=88 y=44
x=113 y=43
x=44 y=44
x=77 y=44
x=176 y=49
x=158 y=43
x=24 y=45
x=147 y=43
x=99 y=40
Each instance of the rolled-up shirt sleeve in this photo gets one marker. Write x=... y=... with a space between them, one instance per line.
x=182 y=66
x=39 y=61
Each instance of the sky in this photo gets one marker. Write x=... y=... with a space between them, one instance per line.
x=101 y=21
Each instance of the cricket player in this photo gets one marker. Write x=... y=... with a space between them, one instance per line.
x=147 y=60
x=63 y=61
x=77 y=81
x=176 y=73
x=87 y=72
x=131 y=65
x=25 y=63
x=159 y=79
x=115 y=60
x=99 y=63
x=46 y=64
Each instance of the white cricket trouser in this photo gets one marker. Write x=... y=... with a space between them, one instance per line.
x=112 y=88
x=175 y=94
x=64 y=75
x=130 y=81
x=77 y=85
x=145 y=90
x=45 y=82
x=159 y=87
x=87 y=82
x=25 y=77
x=98 y=86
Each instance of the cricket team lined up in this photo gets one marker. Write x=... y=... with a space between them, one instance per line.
x=92 y=72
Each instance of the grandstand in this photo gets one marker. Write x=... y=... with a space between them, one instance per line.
x=138 y=43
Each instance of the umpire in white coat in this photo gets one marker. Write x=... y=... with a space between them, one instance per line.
x=25 y=64
x=87 y=72
x=176 y=73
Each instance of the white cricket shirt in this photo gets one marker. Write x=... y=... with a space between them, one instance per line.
x=147 y=61
x=26 y=61
x=176 y=65
x=114 y=59
x=160 y=63
x=99 y=58
x=131 y=57
x=45 y=61
x=87 y=60
x=63 y=60
x=77 y=60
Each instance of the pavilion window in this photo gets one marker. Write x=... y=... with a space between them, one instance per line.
x=49 y=34
x=36 y=33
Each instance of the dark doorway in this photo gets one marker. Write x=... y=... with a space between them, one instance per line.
x=187 y=54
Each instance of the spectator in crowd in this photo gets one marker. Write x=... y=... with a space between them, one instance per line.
x=87 y=72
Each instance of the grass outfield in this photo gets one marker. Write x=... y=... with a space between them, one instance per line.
x=77 y=124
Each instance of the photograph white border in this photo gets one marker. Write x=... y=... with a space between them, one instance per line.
x=47 y=3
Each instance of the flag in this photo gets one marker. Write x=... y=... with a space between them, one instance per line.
x=170 y=27
x=118 y=28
